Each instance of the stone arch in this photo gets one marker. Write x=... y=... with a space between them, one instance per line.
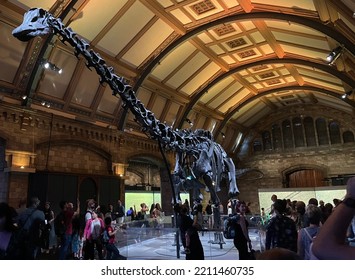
x=150 y=158
x=324 y=170
x=82 y=144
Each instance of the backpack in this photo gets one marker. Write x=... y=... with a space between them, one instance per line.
x=23 y=239
x=105 y=236
x=229 y=227
x=308 y=252
x=59 y=224
x=283 y=233
x=82 y=220
x=209 y=209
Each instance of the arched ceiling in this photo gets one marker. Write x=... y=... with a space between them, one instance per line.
x=222 y=64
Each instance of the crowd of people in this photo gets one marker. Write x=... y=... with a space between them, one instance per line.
x=293 y=230
x=36 y=232
x=317 y=230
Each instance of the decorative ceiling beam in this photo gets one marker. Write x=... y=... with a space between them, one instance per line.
x=269 y=37
x=166 y=17
x=327 y=30
x=262 y=94
x=324 y=67
x=246 y=5
x=210 y=54
x=311 y=23
x=268 y=103
x=293 y=71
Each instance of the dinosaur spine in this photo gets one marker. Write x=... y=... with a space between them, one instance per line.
x=176 y=140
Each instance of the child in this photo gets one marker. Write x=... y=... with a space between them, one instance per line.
x=112 y=253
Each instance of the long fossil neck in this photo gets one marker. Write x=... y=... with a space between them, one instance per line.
x=170 y=138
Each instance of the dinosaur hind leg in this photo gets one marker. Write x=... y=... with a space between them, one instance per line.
x=233 y=188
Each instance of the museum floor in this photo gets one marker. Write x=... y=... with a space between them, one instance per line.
x=142 y=244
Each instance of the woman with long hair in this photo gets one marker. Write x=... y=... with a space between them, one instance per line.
x=242 y=240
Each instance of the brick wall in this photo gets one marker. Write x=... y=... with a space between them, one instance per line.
x=3 y=186
x=333 y=160
x=68 y=147
x=80 y=148
x=18 y=186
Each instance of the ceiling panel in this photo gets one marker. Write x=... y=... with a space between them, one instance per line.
x=95 y=16
x=173 y=60
x=260 y=114
x=225 y=95
x=28 y=4
x=53 y=83
x=147 y=43
x=294 y=27
x=235 y=99
x=201 y=9
x=181 y=16
x=108 y=102
x=248 y=111
x=301 y=4
x=11 y=53
x=172 y=113
x=299 y=40
x=217 y=89
x=319 y=75
x=159 y=106
x=165 y=3
x=133 y=20
x=86 y=89
x=200 y=122
x=330 y=103
x=201 y=78
x=301 y=51
x=337 y=88
x=188 y=70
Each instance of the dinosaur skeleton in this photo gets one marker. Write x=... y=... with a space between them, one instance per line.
x=197 y=155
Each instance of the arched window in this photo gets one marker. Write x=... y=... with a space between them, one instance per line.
x=348 y=137
x=287 y=134
x=266 y=140
x=334 y=133
x=276 y=137
x=298 y=132
x=257 y=147
x=322 y=132
x=309 y=131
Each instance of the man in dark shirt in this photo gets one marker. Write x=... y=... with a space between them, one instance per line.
x=31 y=220
x=120 y=212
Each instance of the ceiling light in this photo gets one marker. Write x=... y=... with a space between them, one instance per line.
x=334 y=55
x=189 y=122
x=24 y=97
x=223 y=135
x=52 y=66
x=346 y=94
